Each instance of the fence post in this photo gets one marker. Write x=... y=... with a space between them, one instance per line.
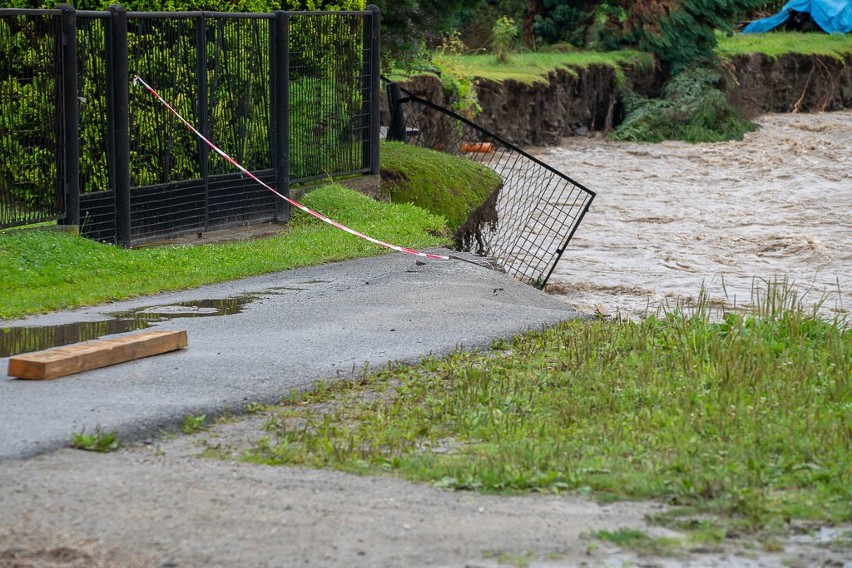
x=280 y=63
x=71 y=116
x=202 y=114
x=372 y=35
x=396 y=130
x=118 y=123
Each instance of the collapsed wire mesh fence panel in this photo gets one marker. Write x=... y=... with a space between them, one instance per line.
x=538 y=208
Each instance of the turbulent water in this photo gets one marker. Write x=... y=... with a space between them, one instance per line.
x=672 y=219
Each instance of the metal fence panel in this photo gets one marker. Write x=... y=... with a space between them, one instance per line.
x=219 y=72
x=329 y=97
x=538 y=208
x=31 y=121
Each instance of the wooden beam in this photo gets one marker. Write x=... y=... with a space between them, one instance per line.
x=70 y=359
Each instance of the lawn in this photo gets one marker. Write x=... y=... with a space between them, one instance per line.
x=742 y=422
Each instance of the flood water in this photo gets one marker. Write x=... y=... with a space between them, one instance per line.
x=670 y=219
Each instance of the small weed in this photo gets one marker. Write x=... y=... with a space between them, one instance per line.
x=255 y=408
x=504 y=33
x=632 y=539
x=518 y=560
x=193 y=423
x=98 y=441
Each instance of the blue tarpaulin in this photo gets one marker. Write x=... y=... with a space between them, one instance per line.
x=833 y=16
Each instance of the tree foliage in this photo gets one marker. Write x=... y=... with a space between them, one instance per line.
x=681 y=32
x=409 y=27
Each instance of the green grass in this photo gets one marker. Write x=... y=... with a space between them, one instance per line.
x=776 y=44
x=531 y=68
x=639 y=541
x=749 y=417
x=194 y=423
x=435 y=181
x=98 y=441
x=42 y=271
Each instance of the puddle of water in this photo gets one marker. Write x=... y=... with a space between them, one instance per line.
x=16 y=340
x=24 y=339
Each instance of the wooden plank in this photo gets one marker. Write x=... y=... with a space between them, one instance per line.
x=70 y=359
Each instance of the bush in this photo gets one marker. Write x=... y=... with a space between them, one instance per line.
x=692 y=109
x=504 y=31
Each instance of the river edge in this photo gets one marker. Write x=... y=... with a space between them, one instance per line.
x=577 y=100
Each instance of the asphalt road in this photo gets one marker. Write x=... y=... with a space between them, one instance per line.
x=294 y=328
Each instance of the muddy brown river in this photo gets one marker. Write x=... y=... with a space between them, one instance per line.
x=672 y=219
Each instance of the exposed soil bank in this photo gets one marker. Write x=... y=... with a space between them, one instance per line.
x=791 y=83
x=579 y=100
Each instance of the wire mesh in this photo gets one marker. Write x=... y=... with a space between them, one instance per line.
x=238 y=81
x=216 y=70
x=92 y=97
x=329 y=95
x=30 y=120
x=538 y=208
x=164 y=52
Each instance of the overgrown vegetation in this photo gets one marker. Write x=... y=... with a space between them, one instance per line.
x=746 y=416
x=41 y=271
x=692 y=108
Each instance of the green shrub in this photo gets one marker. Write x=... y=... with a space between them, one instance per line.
x=692 y=109
x=504 y=33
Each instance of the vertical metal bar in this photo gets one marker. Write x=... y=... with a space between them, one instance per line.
x=202 y=111
x=396 y=130
x=71 y=116
x=370 y=90
x=119 y=123
x=375 y=87
x=280 y=64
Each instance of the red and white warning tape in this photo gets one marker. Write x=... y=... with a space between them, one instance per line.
x=321 y=217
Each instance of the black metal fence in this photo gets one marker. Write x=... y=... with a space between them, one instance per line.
x=30 y=119
x=538 y=208
x=292 y=96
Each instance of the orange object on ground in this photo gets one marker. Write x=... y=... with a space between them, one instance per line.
x=477 y=147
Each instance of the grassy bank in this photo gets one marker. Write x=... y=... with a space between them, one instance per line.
x=749 y=418
x=776 y=44
x=435 y=181
x=532 y=68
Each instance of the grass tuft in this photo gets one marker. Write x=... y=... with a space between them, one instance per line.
x=98 y=441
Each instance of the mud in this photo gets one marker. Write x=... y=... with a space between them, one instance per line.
x=672 y=218
x=791 y=83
